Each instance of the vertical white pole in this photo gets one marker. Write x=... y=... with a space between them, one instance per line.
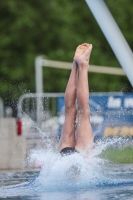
x=1 y=109
x=39 y=88
x=39 y=74
x=113 y=35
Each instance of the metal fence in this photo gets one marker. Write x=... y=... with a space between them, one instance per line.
x=38 y=107
x=111 y=113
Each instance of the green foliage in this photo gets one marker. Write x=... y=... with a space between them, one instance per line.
x=54 y=28
x=118 y=155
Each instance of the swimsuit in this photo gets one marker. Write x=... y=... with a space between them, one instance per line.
x=68 y=151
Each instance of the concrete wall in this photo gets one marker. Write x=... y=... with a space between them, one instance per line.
x=12 y=147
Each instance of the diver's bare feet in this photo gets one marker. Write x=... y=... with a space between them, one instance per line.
x=82 y=54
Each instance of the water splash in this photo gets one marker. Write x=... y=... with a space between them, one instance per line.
x=69 y=173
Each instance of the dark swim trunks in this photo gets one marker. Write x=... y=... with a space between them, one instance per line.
x=68 y=151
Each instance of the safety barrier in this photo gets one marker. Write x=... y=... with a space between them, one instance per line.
x=39 y=109
x=111 y=113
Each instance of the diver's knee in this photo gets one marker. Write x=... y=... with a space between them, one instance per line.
x=70 y=110
x=84 y=111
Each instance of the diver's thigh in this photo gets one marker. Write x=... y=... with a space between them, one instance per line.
x=84 y=135
x=68 y=132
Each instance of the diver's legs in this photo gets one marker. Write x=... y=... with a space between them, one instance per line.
x=84 y=135
x=68 y=133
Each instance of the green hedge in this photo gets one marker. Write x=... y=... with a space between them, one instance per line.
x=118 y=155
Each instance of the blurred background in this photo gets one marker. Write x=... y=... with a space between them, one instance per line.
x=54 y=28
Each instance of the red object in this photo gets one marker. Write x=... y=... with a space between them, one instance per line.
x=19 y=127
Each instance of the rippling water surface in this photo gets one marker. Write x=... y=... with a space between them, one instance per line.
x=71 y=177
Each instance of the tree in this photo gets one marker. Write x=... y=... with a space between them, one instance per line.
x=30 y=28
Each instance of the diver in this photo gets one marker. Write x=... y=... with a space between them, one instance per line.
x=77 y=133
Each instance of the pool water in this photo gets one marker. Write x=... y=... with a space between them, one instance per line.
x=71 y=177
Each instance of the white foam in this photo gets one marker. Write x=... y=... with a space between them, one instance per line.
x=73 y=172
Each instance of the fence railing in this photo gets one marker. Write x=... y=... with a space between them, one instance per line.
x=38 y=107
x=47 y=109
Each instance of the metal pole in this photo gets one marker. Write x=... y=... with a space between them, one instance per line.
x=1 y=108
x=113 y=35
x=91 y=68
x=39 y=88
x=38 y=74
